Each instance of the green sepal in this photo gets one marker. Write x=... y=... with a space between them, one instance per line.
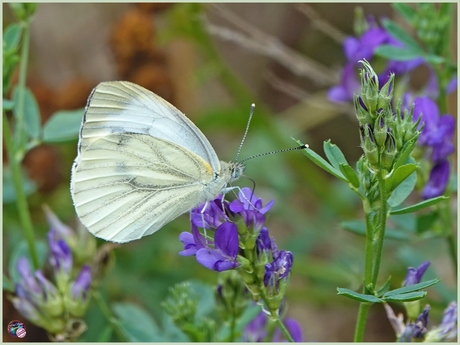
x=358 y=296
x=419 y=206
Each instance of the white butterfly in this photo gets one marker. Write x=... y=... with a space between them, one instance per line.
x=141 y=163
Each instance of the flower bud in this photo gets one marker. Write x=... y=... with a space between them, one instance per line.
x=380 y=131
x=389 y=153
x=369 y=147
x=386 y=93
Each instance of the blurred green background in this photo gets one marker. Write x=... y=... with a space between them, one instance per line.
x=212 y=61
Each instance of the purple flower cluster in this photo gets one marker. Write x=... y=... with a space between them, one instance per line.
x=220 y=253
x=437 y=135
x=363 y=48
x=45 y=303
x=218 y=217
x=280 y=266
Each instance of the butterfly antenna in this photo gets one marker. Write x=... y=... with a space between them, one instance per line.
x=304 y=146
x=246 y=131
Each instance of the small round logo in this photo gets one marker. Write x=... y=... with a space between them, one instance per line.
x=17 y=329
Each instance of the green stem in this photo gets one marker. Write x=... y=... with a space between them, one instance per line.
x=284 y=330
x=21 y=200
x=361 y=321
x=381 y=226
x=369 y=259
x=19 y=114
x=108 y=314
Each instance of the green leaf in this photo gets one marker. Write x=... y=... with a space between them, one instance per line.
x=434 y=59
x=8 y=190
x=334 y=154
x=401 y=35
x=389 y=51
x=403 y=190
x=136 y=323
x=63 y=126
x=358 y=296
x=8 y=104
x=419 y=206
x=384 y=288
x=31 y=112
x=399 y=175
x=322 y=163
x=405 y=297
x=405 y=10
x=359 y=227
x=11 y=37
x=350 y=174
x=411 y=288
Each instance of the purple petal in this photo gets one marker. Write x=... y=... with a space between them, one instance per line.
x=188 y=240
x=452 y=86
x=263 y=241
x=82 y=283
x=439 y=178
x=294 y=329
x=414 y=275
x=47 y=286
x=63 y=230
x=428 y=109
x=213 y=260
x=28 y=279
x=226 y=239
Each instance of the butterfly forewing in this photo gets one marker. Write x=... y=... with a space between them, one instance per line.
x=123 y=194
x=120 y=107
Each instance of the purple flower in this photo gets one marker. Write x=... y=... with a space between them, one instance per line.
x=421 y=323
x=210 y=214
x=437 y=134
x=263 y=242
x=278 y=269
x=61 y=255
x=414 y=275
x=294 y=330
x=438 y=180
x=364 y=48
x=452 y=85
x=223 y=256
x=256 y=331
x=448 y=326
x=251 y=208
x=349 y=85
x=81 y=285
x=27 y=279
x=248 y=201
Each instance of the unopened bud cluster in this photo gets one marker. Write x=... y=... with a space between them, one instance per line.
x=384 y=132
